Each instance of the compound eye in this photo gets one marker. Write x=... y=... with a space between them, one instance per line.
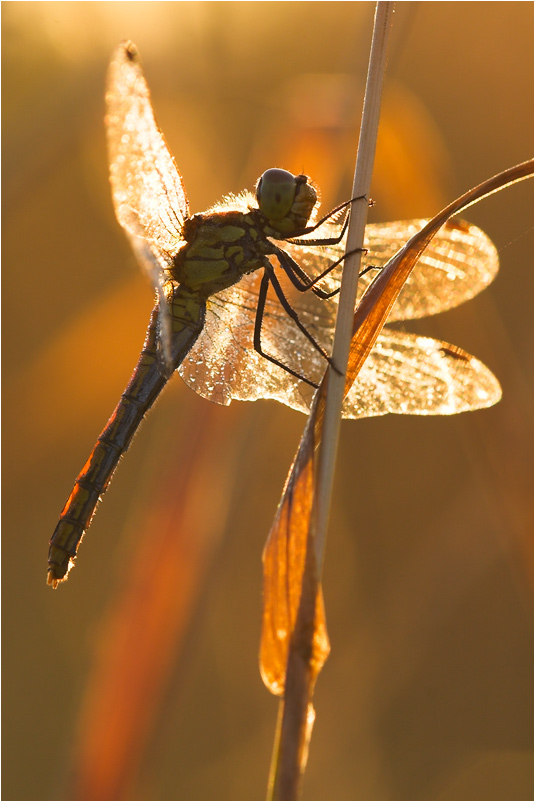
x=275 y=193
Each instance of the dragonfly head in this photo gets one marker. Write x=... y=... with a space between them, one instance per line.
x=286 y=200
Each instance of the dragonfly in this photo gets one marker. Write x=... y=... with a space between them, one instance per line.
x=246 y=299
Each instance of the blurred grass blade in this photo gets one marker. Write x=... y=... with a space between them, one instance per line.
x=143 y=633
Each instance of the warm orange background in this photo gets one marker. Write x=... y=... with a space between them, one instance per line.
x=138 y=679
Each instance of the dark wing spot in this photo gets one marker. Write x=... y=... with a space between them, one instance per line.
x=454 y=223
x=457 y=353
x=131 y=52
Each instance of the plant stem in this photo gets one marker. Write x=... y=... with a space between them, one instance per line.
x=348 y=293
x=297 y=715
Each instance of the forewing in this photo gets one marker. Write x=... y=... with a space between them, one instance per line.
x=459 y=262
x=148 y=193
x=412 y=375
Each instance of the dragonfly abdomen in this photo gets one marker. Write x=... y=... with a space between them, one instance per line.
x=148 y=380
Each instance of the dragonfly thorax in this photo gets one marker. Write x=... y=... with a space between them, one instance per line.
x=220 y=248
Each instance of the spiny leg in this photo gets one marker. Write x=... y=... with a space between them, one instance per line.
x=293 y=269
x=303 y=282
x=290 y=311
x=327 y=240
x=262 y=295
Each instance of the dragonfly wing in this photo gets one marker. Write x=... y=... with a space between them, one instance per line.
x=404 y=373
x=148 y=193
x=413 y=375
x=459 y=262
x=155 y=265
x=223 y=365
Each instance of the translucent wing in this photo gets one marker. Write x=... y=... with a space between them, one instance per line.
x=459 y=262
x=405 y=373
x=223 y=364
x=412 y=375
x=150 y=203
x=148 y=193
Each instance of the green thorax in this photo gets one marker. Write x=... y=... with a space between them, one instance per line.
x=219 y=248
x=222 y=246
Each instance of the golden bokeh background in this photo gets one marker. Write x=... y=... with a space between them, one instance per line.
x=138 y=679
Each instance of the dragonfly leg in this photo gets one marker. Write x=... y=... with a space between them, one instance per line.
x=335 y=264
x=296 y=274
x=368 y=268
x=262 y=294
x=301 y=280
x=327 y=240
x=324 y=240
x=290 y=311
